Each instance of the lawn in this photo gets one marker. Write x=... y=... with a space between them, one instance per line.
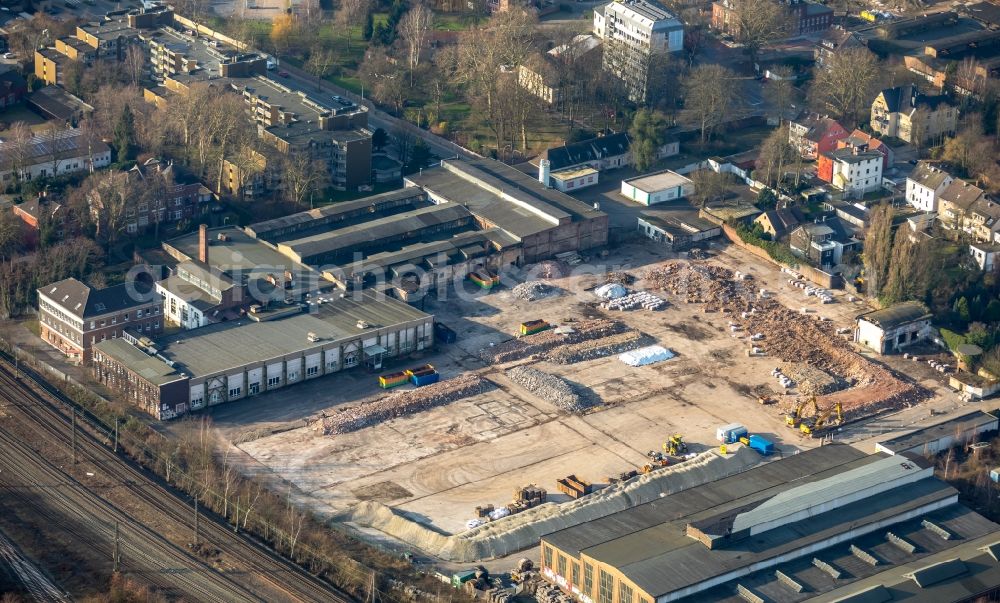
x=451 y=22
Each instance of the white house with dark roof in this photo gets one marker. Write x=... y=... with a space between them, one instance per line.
x=925 y=185
x=891 y=329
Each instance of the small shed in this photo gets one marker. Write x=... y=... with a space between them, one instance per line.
x=657 y=187
x=891 y=329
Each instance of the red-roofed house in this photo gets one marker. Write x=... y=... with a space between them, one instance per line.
x=866 y=142
x=815 y=134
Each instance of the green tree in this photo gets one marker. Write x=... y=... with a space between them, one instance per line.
x=648 y=134
x=124 y=134
x=380 y=138
x=766 y=199
x=369 y=26
x=419 y=155
x=993 y=311
x=961 y=309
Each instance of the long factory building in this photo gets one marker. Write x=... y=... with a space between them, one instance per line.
x=449 y=220
x=828 y=524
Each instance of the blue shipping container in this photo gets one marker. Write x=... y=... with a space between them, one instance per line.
x=762 y=445
x=427 y=379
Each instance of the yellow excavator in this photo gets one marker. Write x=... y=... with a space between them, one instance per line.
x=675 y=446
x=815 y=426
x=794 y=418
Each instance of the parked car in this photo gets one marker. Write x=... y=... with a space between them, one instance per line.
x=283 y=73
x=9 y=55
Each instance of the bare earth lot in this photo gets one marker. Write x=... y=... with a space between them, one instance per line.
x=436 y=466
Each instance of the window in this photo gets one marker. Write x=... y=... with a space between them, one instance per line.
x=575 y=575
x=312 y=371
x=293 y=375
x=547 y=554
x=254 y=389
x=561 y=565
x=605 y=594
x=234 y=392
x=624 y=593
x=273 y=381
x=126 y=317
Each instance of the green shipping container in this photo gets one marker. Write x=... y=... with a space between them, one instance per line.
x=460 y=578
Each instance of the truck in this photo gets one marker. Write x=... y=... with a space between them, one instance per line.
x=731 y=433
x=762 y=445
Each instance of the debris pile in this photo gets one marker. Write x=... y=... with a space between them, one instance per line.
x=646 y=355
x=400 y=404
x=791 y=337
x=532 y=290
x=811 y=379
x=638 y=299
x=611 y=291
x=547 y=387
x=541 y=343
x=597 y=348
x=622 y=278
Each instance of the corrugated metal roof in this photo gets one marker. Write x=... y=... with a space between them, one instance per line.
x=874 y=594
x=938 y=572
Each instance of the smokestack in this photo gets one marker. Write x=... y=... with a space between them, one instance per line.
x=203 y=243
x=543 y=171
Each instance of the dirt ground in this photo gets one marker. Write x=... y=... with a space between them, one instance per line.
x=438 y=465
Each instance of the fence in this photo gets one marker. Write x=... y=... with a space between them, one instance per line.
x=821 y=278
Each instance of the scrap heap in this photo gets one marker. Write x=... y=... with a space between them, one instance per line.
x=400 y=404
x=790 y=336
x=547 y=387
x=546 y=341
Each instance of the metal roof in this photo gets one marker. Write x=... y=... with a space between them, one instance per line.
x=150 y=368
x=915 y=440
x=938 y=572
x=232 y=345
x=897 y=315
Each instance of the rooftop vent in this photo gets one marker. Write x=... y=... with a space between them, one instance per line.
x=313 y=337
x=363 y=324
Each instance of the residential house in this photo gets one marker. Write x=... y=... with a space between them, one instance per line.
x=813 y=134
x=824 y=242
x=13 y=88
x=854 y=171
x=834 y=41
x=859 y=139
x=52 y=154
x=780 y=222
x=925 y=184
x=53 y=102
x=164 y=205
x=607 y=152
x=73 y=316
x=966 y=207
x=892 y=329
x=546 y=75
x=802 y=17
x=906 y=113
x=633 y=31
x=985 y=255
x=109 y=39
x=41 y=214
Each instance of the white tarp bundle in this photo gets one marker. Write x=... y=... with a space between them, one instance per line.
x=646 y=355
x=610 y=291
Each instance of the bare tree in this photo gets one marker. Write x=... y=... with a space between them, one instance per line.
x=321 y=62
x=135 y=63
x=775 y=153
x=304 y=176
x=757 y=23
x=878 y=249
x=781 y=90
x=710 y=93
x=846 y=87
x=17 y=147
x=413 y=29
x=112 y=201
x=351 y=14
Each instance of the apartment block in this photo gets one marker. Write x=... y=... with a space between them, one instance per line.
x=633 y=31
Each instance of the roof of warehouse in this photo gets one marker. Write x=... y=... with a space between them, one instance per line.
x=239 y=252
x=898 y=314
x=806 y=466
x=477 y=186
x=262 y=229
x=642 y=541
x=933 y=433
x=970 y=532
x=150 y=368
x=369 y=232
x=235 y=344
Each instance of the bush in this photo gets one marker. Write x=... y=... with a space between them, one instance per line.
x=778 y=252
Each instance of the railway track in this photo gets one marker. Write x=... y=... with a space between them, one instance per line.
x=262 y=574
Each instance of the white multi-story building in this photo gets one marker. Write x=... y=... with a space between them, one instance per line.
x=925 y=185
x=633 y=31
x=855 y=172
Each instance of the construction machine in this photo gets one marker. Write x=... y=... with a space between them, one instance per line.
x=675 y=446
x=815 y=426
x=794 y=418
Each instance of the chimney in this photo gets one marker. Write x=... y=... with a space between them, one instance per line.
x=544 y=167
x=203 y=243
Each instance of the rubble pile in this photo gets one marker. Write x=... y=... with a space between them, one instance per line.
x=812 y=380
x=400 y=404
x=632 y=301
x=532 y=290
x=598 y=348
x=791 y=337
x=625 y=279
x=541 y=343
x=547 y=387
